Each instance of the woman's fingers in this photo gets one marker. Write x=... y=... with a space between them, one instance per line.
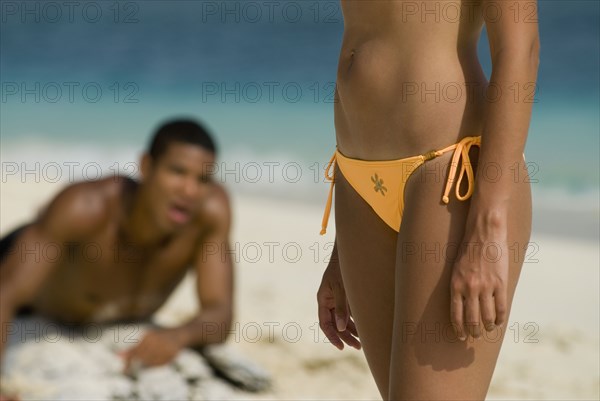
x=349 y=339
x=327 y=325
x=501 y=306
x=350 y=335
x=468 y=312
x=488 y=311
x=337 y=338
x=352 y=328
x=472 y=317
x=456 y=313
x=341 y=306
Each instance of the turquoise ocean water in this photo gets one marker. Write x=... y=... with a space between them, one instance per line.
x=89 y=82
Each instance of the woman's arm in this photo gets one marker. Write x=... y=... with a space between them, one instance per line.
x=514 y=45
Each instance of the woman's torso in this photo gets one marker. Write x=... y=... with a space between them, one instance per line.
x=408 y=79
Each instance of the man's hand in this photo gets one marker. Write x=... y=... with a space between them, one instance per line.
x=8 y=398
x=479 y=288
x=335 y=318
x=158 y=347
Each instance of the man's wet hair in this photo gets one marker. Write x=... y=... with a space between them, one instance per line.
x=180 y=131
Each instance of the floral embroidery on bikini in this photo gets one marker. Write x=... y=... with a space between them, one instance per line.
x=378 y=184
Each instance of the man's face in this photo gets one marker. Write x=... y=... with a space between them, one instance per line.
x=177 y=183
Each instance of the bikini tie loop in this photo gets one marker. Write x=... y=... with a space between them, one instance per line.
x=462 y=150
x=329 y=176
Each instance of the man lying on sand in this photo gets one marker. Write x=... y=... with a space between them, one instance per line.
x=115 y=249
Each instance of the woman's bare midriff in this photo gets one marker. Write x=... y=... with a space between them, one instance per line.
x=408 y=79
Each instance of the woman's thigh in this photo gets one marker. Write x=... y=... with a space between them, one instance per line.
x=367 y=252
x=428 y=362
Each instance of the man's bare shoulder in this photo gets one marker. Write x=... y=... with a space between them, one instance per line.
x=82 y=208
x=216 y=210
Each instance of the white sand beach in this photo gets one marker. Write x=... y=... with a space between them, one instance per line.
x=551 y=351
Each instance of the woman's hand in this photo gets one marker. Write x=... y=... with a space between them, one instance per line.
x=478 y=286
x=335 y=317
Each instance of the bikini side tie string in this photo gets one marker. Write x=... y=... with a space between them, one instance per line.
x=461 y=151
x=329 y=176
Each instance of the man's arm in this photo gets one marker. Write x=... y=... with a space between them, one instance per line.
x=71 y=216
x=480 y=285
x=22 y=273
x=214 y=283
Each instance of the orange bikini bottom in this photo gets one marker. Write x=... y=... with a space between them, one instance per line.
x=381 y=183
